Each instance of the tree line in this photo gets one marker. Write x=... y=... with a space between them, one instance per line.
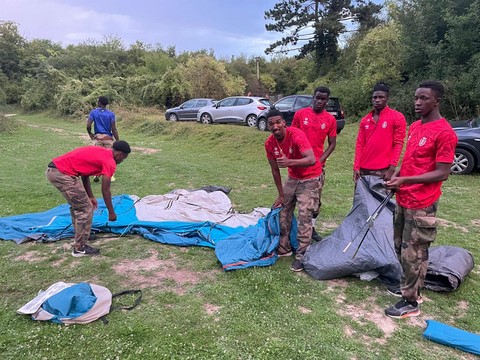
x=346 y=45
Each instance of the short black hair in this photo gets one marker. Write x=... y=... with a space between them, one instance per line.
x=382 y=86
x=436 y=86
x=122 y=146
x=322 y=89
x=274 y=112
x=103 y=100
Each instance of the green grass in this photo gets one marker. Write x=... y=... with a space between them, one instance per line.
x=191 y=309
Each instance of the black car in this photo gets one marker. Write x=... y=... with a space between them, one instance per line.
x=467 y=153
x=188 y=110
x=288 y=105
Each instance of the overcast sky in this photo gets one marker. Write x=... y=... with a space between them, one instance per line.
x=229 y=27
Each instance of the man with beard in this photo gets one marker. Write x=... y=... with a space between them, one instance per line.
x=380 y=138
x=318 y=125
x=290 y=148
x=70 y=174
x=426 y=165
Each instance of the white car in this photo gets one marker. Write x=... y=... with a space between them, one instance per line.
x=234 y=109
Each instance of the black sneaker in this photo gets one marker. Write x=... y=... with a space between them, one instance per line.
x=296 y=265
x=315 y=236
x=394 y=290
x=96 y=179
x=403 y=309
x=86 y=250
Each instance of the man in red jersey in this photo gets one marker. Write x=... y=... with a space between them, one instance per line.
x=426 y=164
x=70 y=174
x=380 y=138
x=289 y=148
x=318 y=125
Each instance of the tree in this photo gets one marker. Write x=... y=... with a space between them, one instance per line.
x=11 y=44
x=318 y=24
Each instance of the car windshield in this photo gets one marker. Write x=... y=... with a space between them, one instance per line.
x=265 y=102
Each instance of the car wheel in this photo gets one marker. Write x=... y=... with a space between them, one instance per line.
x=206 y=118
x=251 y=120
x=173 y=117
x=463 y=162
x=262 y=124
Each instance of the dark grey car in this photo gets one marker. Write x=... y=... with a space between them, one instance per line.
x=467 y=152
x=289 y=105
x=188 y=110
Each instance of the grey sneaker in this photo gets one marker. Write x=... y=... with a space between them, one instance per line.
x=395 y=291
x=296 y=265
x=290 y=253
x=403 y=309
x=86 y=250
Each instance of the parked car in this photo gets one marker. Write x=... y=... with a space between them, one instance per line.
x=188 y=110
x=288 y=105
x=234 y=109
x=467 y=152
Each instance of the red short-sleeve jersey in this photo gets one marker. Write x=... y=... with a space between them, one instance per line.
x=294 y=143
x=427 y=144
x=380 y=143
x=87 y=161
x=317 y=126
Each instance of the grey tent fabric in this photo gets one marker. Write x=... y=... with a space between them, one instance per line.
x=326 y=260
x=447 y=267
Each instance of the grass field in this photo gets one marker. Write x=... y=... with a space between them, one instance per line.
x=191 y=309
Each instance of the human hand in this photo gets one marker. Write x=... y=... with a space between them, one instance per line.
x=394 y=183
x=388 y=174
x=112 y=216
x=94 y=203
x=278 y=202
x=282 y=161
x=356 y=175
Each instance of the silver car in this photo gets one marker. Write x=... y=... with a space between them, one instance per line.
x=235 y=109
x=188 y=110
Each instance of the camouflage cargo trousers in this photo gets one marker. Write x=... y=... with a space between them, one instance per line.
x=81 y=208
x=103 y=141
x=305 y=193
x=321 y=183
x=414 y=231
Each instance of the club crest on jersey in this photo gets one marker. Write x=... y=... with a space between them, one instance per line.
x=290 y=151
x=366 y=127
x=384 y=125
x=323 y=126
x=422 y=141
x=305 y=121
x=276 y=152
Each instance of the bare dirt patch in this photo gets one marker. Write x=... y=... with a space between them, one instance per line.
x=146 y=151
x=30 y=257
x=328 y=225
x=157 y=273
x=476 y=222
x=447 y=223
x=304 y=310
x=211 y=309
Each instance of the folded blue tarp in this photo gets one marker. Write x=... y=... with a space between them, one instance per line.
x=451 y=336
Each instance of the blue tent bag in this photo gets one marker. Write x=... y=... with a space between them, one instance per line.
x=451 y=336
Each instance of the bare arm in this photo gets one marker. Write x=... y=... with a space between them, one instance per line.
x=277 y=178
x=441 y=172
x=332 y=143
x=107 y=197
x=89 y=128
x=115 y=132
x=308 y=159
x=88 y=189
